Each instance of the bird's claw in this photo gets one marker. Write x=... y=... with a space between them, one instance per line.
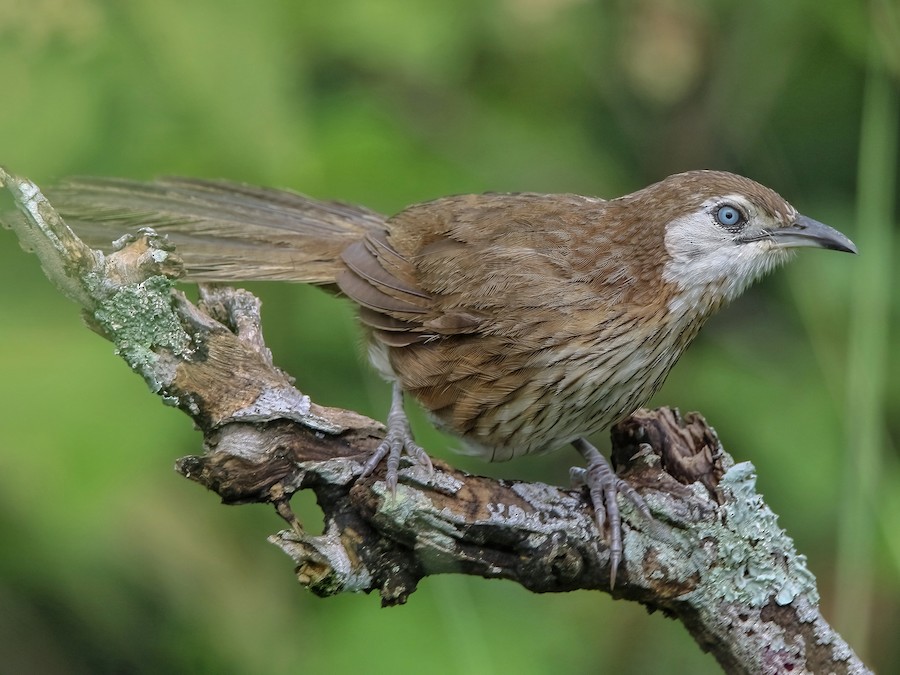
x=397 y=441
x=603 y=487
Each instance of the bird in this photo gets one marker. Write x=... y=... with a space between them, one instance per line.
x=520 y=322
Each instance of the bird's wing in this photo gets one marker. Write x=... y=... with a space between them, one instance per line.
x=463 y=265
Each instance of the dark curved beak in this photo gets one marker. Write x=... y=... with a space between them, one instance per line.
x=808 y=232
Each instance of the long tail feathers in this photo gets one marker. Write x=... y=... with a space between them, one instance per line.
x=223 y=231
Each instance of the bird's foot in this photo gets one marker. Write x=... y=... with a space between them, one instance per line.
x=397 y=441
x=604 y=486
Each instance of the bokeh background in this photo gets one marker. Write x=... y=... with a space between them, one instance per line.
x=110 y=562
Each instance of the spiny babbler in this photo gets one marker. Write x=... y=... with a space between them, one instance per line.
x=520 y=322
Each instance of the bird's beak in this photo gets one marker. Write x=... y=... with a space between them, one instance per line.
x=808 y=232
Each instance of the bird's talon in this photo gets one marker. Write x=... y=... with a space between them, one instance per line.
x=634 y=497
x=375 y=459
x=398 y=441
x=604 y=487
x=390 y=481
x=417 y=454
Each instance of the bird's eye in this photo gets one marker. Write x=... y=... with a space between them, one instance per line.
x=729 y=217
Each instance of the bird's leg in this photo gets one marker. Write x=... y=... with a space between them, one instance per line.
x=397 y=440
x=604 y=485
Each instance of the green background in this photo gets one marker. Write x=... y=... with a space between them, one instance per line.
x=110 y=562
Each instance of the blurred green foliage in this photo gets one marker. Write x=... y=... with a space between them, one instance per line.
x=111 y=563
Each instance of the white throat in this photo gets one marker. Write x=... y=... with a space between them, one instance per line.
x=708 y=266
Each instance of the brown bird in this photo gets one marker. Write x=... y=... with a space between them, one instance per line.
x=520 y=322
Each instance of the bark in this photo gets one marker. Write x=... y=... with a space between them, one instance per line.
x=712 y=557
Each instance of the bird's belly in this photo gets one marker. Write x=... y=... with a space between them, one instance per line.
x=509 y=404
x=566 y=403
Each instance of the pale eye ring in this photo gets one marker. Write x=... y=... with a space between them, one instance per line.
x=729 y=217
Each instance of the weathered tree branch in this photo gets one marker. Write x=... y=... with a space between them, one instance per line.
x=712 y=557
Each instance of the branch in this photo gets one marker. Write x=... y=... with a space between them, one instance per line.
x=713 y=556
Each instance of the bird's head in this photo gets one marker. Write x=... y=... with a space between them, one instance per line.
x=722 y=232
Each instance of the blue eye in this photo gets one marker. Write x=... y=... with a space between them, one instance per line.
x=728 y=216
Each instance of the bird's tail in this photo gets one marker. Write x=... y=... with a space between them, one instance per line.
x=223 y=231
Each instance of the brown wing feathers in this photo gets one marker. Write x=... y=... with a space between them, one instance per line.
x=392 y=306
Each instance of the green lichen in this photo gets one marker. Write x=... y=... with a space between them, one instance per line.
x=754 y=555
x=142 y=323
